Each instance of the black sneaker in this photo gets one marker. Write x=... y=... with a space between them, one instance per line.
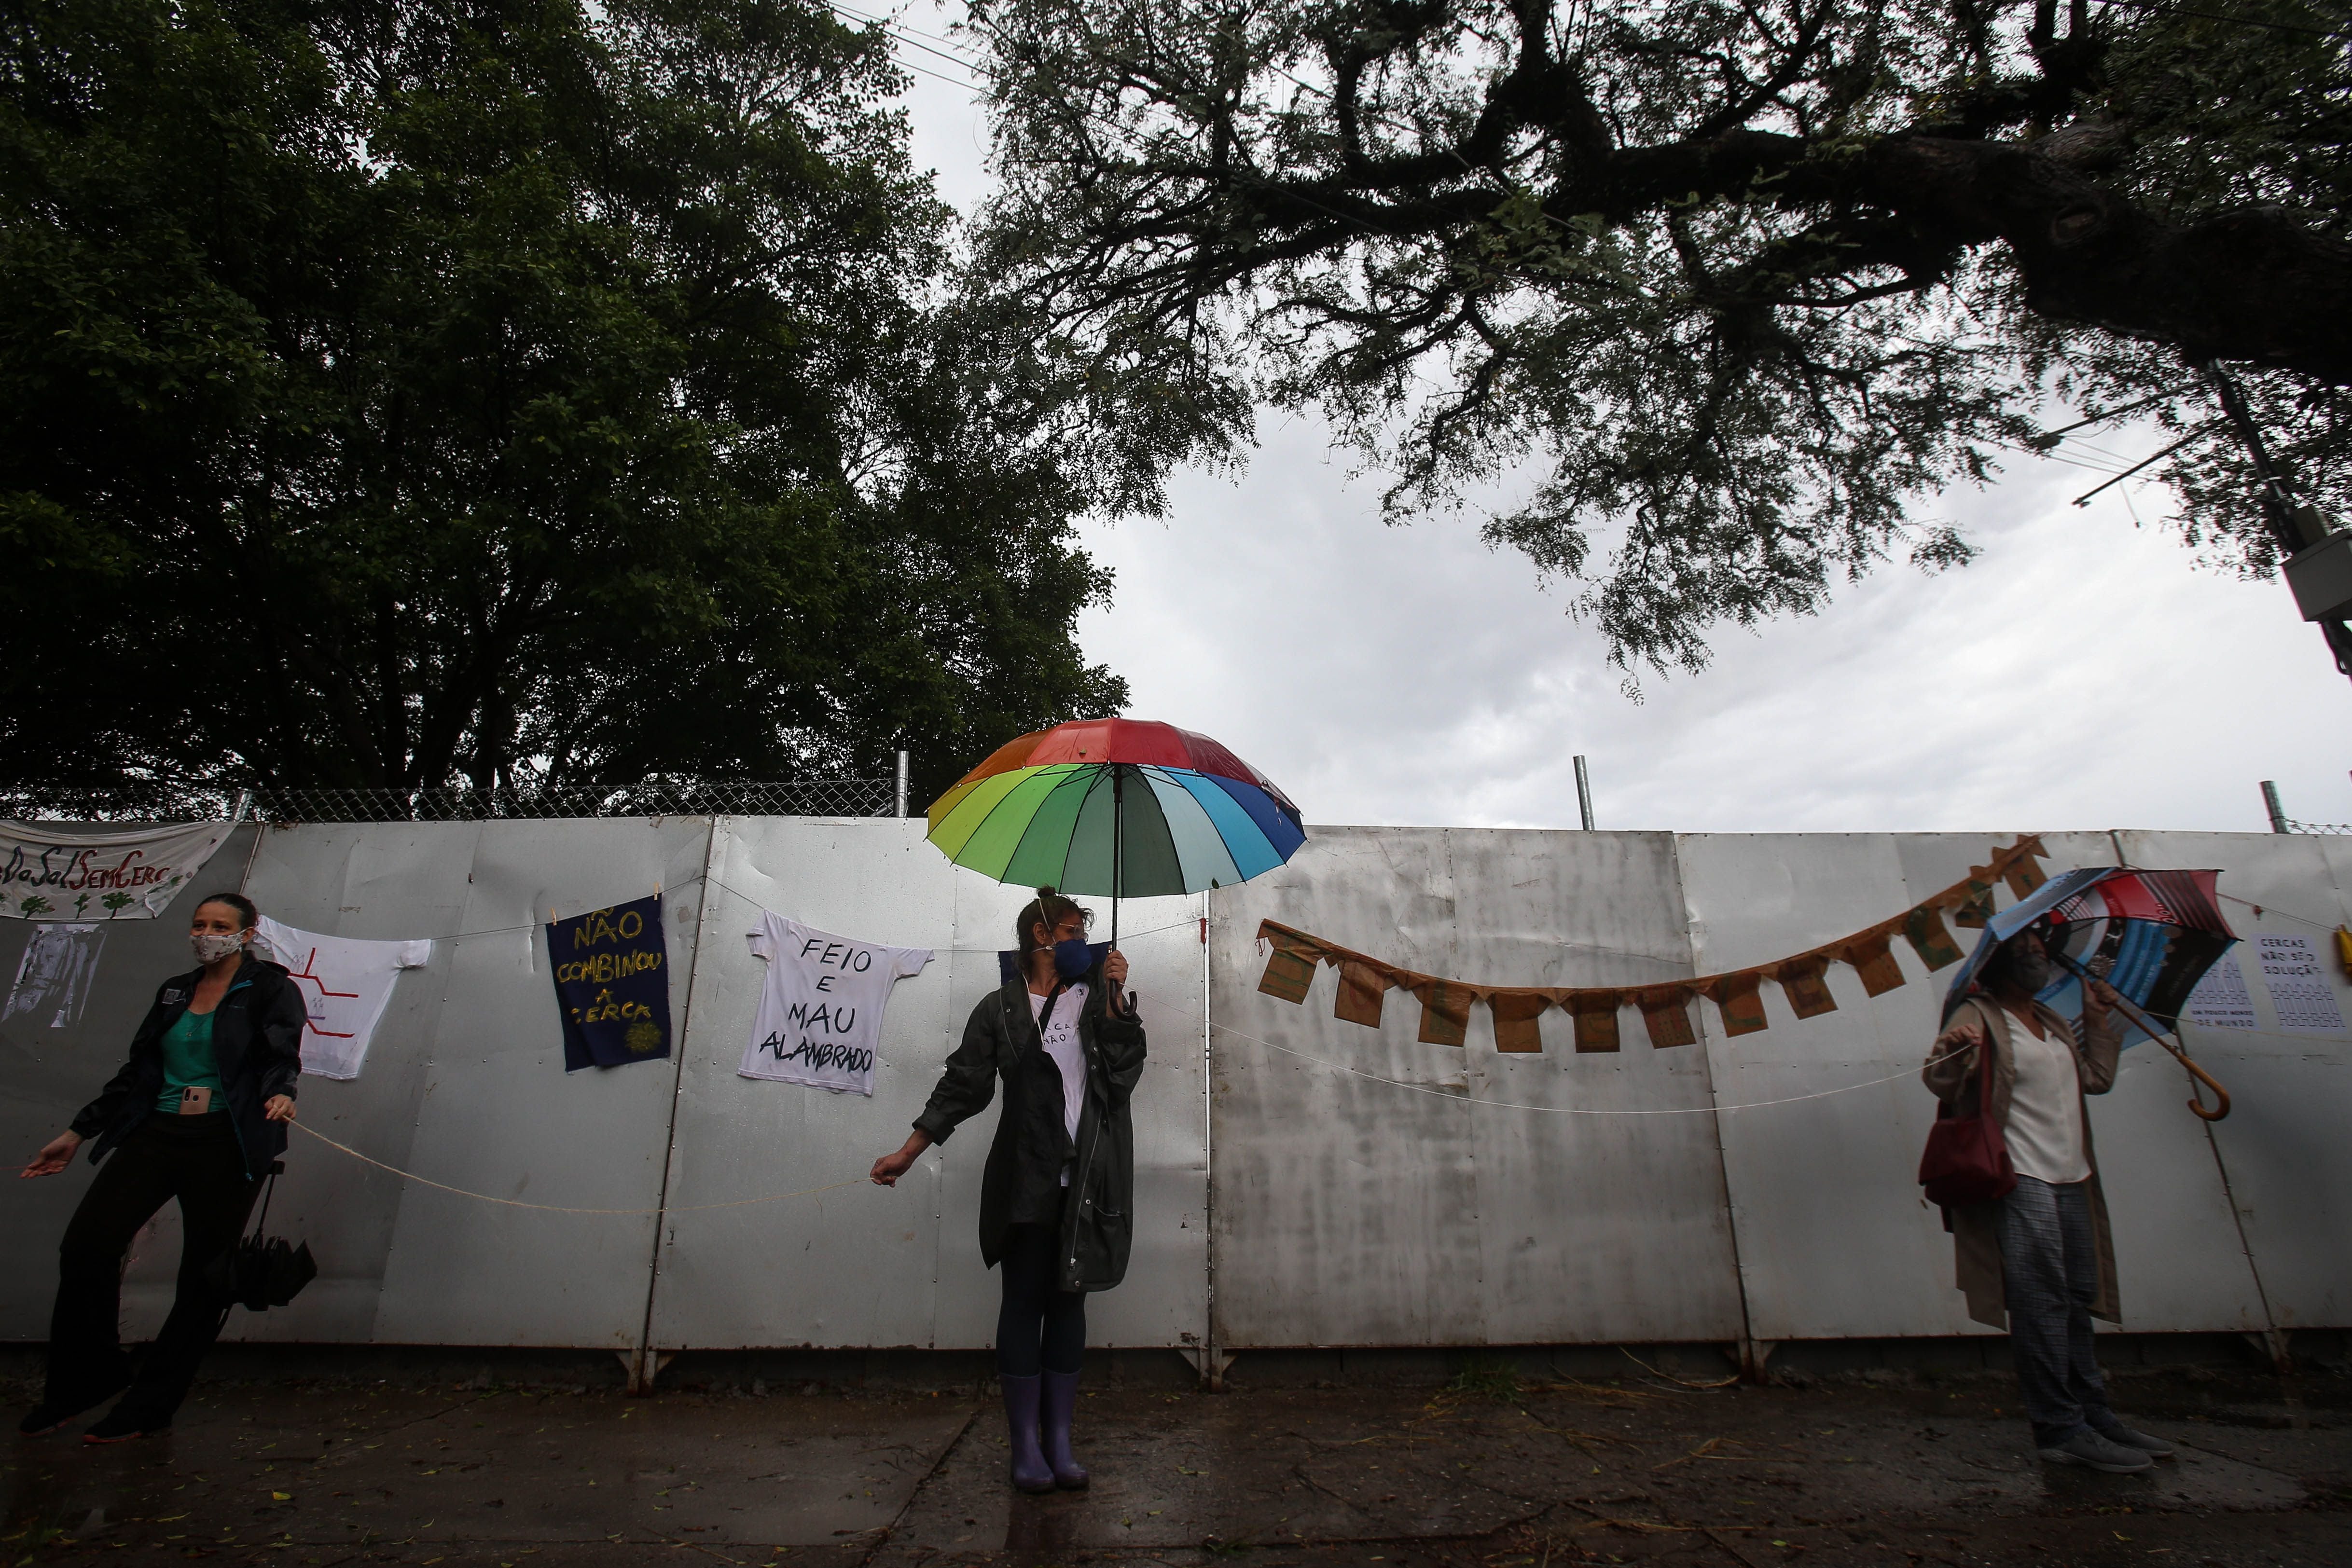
x=47 y=1418
x=2089 y=1449
x=2154 y=1448
x=50 y=1414
x=118 y=1426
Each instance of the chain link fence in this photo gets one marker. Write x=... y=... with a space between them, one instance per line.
x=650 y=797
x=2294 y=826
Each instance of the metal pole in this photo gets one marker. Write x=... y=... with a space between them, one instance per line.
x=902 y=781
x=1584 y=794
x=2277 y=812
x=1118 y=832
x=2277 y=506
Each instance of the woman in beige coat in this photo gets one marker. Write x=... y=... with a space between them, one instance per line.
x=2040 y=1262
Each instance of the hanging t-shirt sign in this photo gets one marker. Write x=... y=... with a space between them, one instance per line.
x=820 y=1013
x=612 y=985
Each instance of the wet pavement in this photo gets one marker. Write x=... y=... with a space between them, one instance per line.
x=1489 y=1472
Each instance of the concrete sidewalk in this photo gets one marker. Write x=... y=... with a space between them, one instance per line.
x=1487 y=1472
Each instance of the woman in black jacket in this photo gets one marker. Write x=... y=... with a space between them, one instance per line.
x=198 y=1114
x=1056 y=1199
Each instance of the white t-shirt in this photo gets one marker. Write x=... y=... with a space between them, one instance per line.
x=1060 y=1038
x=820 y=1012
x=2045 y=1106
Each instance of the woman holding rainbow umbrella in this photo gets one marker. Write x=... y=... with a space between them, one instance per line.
x=1114 y=807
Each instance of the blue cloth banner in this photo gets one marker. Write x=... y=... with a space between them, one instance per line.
x=612 y=985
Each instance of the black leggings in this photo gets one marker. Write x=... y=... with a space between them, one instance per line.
x=1039 y=1328
x=197 y=1160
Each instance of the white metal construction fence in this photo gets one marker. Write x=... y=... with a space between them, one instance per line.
x=1301 y=1181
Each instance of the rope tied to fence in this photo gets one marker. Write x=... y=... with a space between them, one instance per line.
x=567 y=1209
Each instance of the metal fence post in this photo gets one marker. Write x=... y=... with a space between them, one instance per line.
x=2277 y=812
x=1584 y=794
x=902 y=781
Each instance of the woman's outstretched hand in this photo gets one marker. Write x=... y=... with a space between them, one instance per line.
x=891 y=1167
x=55 y=1155
x=1959 y=1038
x=280 y=1108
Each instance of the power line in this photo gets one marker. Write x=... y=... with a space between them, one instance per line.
x=896 y=35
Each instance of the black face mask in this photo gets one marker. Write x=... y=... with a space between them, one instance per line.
x=2030 y=971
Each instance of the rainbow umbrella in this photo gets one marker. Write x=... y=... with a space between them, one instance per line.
x=1116 y=806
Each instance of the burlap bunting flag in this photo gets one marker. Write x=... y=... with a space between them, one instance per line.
x=1596 y=1019
x=1445 y=1004
x=1665 y=1013
x=1801 y=981
x=1924 y=930
x=1738 y=998
x=1362 y=987
x=1444 y=1010
x=1872 y=956
x=1515 y=1012
x=1290 y=970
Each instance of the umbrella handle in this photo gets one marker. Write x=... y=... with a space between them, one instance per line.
x=2205 y=1079
x=2147 y=1027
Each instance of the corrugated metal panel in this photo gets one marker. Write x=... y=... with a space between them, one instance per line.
x=381 y=882
x=1354 y=1212
x=866 y=1266
x=499 y=1114
x=2283 y=1145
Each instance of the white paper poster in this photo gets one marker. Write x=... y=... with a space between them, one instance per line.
x=52 y=979
x=820 y=1013
x=346 y=983
x=2221 y=1000
x=2297 y=979
x=51 y=873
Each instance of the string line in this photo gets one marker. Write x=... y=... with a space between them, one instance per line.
x=566 y=1209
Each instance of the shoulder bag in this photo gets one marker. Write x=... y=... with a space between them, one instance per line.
x=1967 y=1159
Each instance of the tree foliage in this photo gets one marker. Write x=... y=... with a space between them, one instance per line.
x=1739 y=281
x=402 y=392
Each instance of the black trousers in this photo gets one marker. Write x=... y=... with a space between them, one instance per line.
x=1040 y=1327
x=197 y=1160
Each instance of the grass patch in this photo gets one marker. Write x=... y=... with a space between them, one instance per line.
x=1487 y=1378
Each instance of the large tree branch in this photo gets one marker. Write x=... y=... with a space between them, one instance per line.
x=2255 y=285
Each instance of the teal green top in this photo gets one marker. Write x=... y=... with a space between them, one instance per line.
x=188 y=1063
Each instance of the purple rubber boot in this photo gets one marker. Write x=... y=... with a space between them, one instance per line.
x=1061 y=1403
x=1030 y=1471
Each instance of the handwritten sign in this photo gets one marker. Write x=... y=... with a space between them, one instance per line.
x=2300 y=994
x=611 y=984
x=51 y=873
x=820 y=1015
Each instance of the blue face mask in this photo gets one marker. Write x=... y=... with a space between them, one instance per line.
x=1073 y=959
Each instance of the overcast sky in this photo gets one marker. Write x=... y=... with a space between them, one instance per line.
x=2083 y=673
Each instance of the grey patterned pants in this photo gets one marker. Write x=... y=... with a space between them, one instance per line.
x=2050 y=1274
